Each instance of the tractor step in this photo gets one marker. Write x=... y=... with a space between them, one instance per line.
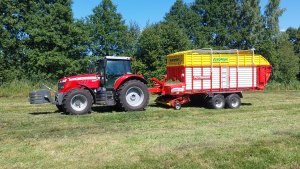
x=110 y=99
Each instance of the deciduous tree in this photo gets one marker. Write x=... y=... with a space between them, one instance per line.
x=156 y=42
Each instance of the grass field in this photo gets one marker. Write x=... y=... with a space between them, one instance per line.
x=263 y=133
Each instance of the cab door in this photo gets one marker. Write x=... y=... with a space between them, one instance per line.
x=116 y=68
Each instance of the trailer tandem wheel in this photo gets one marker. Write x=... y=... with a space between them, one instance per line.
x=233 y=101
x=216 y=102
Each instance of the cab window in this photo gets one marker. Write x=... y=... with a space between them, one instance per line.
x=118 y=67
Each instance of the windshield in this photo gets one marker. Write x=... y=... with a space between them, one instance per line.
x=118 y=67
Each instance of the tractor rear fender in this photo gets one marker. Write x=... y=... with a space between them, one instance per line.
x=121 y=80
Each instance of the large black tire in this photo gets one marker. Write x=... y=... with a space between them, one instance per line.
x=133 y=95
x=78 y=102
x=217 y=102
x=233 y=101
x=60 y=108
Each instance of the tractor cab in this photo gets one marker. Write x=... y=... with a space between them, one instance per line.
x=110 y=68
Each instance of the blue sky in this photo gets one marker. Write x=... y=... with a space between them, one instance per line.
x=151 y=11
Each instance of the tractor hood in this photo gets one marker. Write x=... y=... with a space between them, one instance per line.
x=81 y=77
x=88 y=80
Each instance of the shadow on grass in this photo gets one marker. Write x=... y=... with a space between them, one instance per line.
x=160 y=106
x=104 y=109
x=96 y=109
x=45 y=113
x=246 y=104
x=194 y=105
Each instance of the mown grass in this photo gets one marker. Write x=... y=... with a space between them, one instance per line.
x=21 y=88
x=263 y=133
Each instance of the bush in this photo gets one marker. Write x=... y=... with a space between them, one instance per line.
x=21 y=88
x=275 y=86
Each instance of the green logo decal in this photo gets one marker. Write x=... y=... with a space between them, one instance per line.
x=175 y=61
x=220 y=60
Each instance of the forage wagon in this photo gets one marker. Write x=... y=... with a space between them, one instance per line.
x=217 y=77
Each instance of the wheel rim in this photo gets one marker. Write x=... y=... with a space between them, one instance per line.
x=219 y=103
x=134 y=96
x=79 y=102
x=177 y=106
x=234 y=102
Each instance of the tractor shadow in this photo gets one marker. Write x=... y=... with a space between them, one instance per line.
x=45 y=113
x=104 y=109
x=95 y=109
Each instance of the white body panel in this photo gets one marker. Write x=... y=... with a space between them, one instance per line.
x=222 y=78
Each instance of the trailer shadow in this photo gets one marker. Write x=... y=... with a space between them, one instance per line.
x=160 y=106
x=193 y=105
x=169 y=107
x=246 y=104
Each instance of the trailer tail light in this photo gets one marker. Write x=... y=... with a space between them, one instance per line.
x=264 y=73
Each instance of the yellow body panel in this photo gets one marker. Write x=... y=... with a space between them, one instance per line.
x=215 y=58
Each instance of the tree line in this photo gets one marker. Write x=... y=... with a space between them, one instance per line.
x=41 y=39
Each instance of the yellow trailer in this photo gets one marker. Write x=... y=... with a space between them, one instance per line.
x=213 y=72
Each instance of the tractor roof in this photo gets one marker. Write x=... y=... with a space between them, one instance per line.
x=117 y=57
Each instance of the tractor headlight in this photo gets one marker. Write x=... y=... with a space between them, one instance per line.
x=61 y=84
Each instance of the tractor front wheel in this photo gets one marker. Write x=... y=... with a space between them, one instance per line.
x=60 y=108
x=133 y=95
x=78 y=102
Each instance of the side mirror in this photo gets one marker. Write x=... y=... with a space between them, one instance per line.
x=102 y=81
x=91 y=67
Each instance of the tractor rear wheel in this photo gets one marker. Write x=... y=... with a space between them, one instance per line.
x=217 y=102
x=78 y=102
x=133 y=95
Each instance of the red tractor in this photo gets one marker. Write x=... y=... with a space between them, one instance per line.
x=113 y=84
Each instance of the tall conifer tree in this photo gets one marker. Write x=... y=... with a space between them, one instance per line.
x=108 y=30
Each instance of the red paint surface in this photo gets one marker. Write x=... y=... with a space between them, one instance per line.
x=92 y=81
x=178 y=73
x=79 y=81
x=123 y=78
